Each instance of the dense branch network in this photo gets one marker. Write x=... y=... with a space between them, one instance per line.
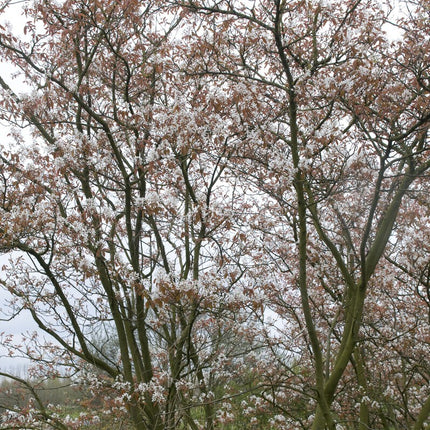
x=212 y=210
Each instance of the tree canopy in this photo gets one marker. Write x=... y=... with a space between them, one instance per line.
x=216 y=211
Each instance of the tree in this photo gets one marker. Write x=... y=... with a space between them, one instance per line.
x=343 y=144
x=117 y=206
x=216 y=183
